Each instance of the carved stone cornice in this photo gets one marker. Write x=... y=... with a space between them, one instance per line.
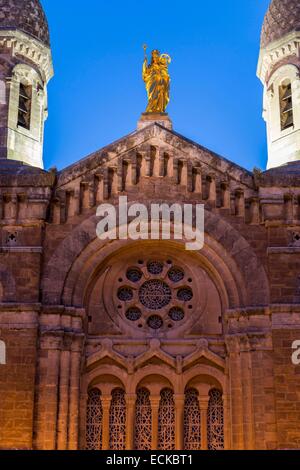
x=23 y=45
x=287 y=46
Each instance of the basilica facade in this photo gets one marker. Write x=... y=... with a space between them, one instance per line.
x=123 y=344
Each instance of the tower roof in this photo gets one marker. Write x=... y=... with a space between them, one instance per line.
x=282 y=17
x=27 y=16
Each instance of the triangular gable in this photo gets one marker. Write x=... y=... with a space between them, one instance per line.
x=156 y=135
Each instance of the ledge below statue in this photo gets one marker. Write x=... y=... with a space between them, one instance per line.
x=161 y=118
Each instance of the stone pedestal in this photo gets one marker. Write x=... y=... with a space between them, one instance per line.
x=161 y=118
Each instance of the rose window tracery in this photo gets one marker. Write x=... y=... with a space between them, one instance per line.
x=125 y=294
x=176 y=274
x=133 y=314
x=176 y=314
x=155 y=294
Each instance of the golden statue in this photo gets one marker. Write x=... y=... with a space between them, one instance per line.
x=157 y=79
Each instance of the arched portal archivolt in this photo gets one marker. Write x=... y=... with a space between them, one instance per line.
x=226 y=252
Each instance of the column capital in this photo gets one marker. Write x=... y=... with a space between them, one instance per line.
x=106 y=401
x=179 y=399
x=155 y=401
x=203 y=402
x=130 y=399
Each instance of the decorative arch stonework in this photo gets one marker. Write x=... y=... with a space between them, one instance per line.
x=151 y=407
x=226 y=252
x=110 y=283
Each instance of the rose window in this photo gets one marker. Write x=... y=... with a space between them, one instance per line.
x=156 y=295
x=185 y=294
x=176 y=274
x=176 y=314
x=125 y=294
x=155 y=267
x=134 y=275
x=155 y=322
x=133 y=314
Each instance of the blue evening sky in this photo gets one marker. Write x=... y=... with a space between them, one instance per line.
x=97 y=93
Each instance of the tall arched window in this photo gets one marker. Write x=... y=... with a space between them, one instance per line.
x=117 y=420
x=143 y=421
x=192 y=421
x=94 y=417
x=166 y=421
x=286 y=105
x=24 y=108
x=215 y=420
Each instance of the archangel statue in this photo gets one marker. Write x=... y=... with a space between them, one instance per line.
x=157 y=79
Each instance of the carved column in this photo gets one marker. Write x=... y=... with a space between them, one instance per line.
x=240 y=204
x=48 y=373
x=254 y=211
x=198 y=181
x=106 y=184
x=161 y=163
x=184 y=175
x=77 y=201
x=92 y=192
x=212 y=196
x=246 y=368
x=225 y=195
x=203 y=403
x=120 y=176
x=63 y=408
x=134 y=171
x=106 y=401
x=155 y=401
x=176 y=170
x=130 y=421
x=74 y=392
x=14 y=207
x=148 y=163
x=179 y=421
x=236 y=393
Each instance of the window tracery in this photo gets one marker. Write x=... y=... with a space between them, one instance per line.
x=192 y=421
x=94 y=419
x=155 y=286
x=117 y=420
x=166 y=421
x=215 y=421
x=143 y=420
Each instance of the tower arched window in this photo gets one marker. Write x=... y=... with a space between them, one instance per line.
x=286 y=105
x=166 y=421
x=215 y=420
x=192 y=421
x=143 y=421
x=94 y=418
x=117 y=420
x=24 y=107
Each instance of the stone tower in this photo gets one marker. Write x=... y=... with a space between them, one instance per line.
x=278 y=69
x=25 y=69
